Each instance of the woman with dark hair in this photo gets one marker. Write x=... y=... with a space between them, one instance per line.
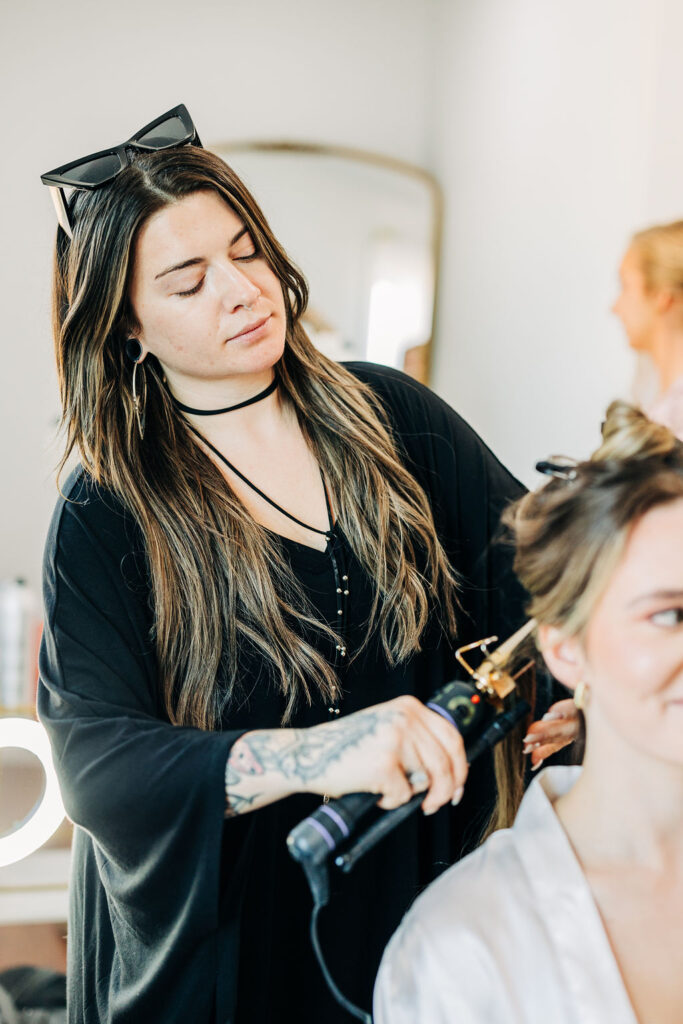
x=252 y=581
x=575 y=913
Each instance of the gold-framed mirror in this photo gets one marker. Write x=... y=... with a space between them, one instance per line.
x=365 y=229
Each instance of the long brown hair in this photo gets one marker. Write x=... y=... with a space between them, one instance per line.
x=219 y=580
x=570 y=534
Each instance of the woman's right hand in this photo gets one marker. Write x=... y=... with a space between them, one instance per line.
x=379 y=749
x=376 y=750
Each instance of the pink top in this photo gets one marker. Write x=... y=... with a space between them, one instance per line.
x=668 y=408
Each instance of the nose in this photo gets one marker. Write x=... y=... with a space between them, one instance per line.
x=236 y=287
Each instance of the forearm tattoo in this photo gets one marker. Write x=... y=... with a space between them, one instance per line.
x=295 y=755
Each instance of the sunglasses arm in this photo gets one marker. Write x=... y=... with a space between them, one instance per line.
x=59 y=200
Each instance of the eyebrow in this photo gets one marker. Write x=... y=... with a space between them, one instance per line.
x=199 y=259
x=665 y=595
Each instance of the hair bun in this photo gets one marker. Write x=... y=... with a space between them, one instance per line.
x=627 y=433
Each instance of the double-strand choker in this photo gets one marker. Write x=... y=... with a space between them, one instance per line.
x=228 y=408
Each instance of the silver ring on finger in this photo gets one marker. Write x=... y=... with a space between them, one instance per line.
x=419 y=780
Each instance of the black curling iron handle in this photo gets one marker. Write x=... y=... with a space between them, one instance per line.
x=318 y=836
x=497 y=731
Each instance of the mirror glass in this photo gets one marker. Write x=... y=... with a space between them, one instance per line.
x=364 y=230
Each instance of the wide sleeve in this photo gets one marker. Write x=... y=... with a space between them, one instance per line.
x=149 y=794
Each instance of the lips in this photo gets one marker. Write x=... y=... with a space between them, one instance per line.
x=250 y=328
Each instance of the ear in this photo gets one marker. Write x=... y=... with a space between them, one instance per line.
x=132 y=331
x=664 y=300
x=562 y=654
x=135 y=350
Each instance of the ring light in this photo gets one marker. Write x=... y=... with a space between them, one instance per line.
x=48 y=813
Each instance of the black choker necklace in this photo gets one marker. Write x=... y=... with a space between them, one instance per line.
x=229 y=408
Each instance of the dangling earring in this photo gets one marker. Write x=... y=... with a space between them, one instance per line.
x=581 y=694
x=134 y=353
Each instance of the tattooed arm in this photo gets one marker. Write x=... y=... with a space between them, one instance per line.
x=370 y=751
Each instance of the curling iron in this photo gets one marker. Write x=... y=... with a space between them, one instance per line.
x=484 y=708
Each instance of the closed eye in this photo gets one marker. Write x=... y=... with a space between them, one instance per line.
x=248 y=257
x=192 y=291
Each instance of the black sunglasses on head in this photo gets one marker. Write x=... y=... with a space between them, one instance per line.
x=172 y=129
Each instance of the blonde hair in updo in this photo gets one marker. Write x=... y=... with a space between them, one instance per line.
x=660 y=253
x=571 y=532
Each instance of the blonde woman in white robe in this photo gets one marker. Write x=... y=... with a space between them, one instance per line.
x=575 y=914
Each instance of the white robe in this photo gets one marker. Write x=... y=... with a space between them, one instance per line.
x=510 y=935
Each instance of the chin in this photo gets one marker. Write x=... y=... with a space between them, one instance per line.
x=262 y=357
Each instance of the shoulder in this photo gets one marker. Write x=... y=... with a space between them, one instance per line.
x=479 y=910
x=473 y=891
x=84 y=504
x=405 y=399
x=432 y=433
x=90 y=530
x=443 y=958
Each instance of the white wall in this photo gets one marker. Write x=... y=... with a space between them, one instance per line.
x=556 y=134
x=553 y=126
x=77 y=76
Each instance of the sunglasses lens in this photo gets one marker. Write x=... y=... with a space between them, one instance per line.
x=94 y=172
x=168 y=133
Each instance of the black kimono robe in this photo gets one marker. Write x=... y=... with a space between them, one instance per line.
x=176 y=913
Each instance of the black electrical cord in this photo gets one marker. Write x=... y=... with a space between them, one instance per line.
x=350 y=1007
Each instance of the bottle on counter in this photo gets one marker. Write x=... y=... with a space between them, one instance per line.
x=18 y=634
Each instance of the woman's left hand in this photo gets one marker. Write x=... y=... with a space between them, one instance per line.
x=559 y=727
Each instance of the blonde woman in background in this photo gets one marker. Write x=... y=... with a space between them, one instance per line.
x=576 y=913
x=650 y=307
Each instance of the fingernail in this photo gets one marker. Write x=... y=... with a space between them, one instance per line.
x=535 y=767
x=430 y=811
x=458 y=796
x=551 y=716
x=529 y=738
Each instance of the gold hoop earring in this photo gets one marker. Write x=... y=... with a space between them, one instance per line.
x=134 y=352
x=581 y=694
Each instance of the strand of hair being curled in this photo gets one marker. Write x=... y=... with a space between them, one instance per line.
x=570 y=534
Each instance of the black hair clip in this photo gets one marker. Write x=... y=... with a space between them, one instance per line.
x=559 y=466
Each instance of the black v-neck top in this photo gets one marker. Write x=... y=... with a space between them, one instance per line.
x=176 y=913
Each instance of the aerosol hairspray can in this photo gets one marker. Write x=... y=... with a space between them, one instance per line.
x=17 y=644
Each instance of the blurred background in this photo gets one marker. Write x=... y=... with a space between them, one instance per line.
x=508 y=147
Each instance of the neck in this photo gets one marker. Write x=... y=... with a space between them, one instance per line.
x=625 y=807
x=218 y=394
x=667 y=355
x=235 y=430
